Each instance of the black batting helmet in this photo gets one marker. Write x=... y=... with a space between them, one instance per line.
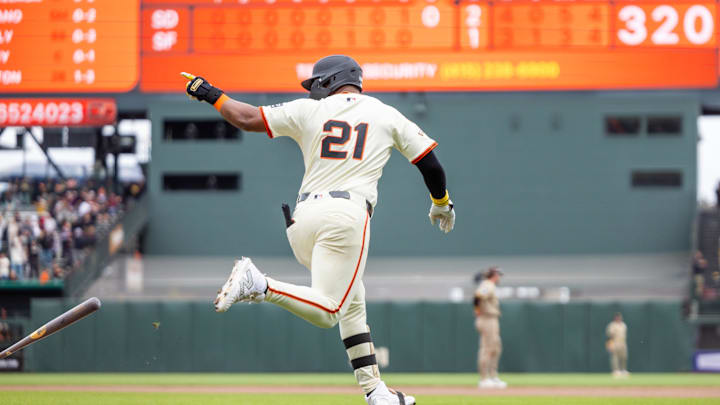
x=332 y=72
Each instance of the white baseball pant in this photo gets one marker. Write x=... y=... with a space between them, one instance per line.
x=330 y=236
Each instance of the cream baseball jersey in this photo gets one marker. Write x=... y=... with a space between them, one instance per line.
x=489 y=305
x=617 y=332
x=346 y=140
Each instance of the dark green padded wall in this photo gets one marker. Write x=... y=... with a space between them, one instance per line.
x=529 y=174
x=420 y=337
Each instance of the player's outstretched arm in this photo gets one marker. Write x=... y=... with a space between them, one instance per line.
x=441 y=210
x=239 y=114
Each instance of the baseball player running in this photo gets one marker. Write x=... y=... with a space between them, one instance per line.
x=346 y=139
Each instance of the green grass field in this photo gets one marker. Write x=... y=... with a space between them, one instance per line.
x=74 y=398
x=269 y=380
x=341 y=379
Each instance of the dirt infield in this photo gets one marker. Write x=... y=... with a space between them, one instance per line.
x=635 y=392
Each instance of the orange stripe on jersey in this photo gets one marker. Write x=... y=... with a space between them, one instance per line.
x=357 y=267
x=267 y=127
x=422 y=155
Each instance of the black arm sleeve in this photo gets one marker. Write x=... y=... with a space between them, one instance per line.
x=433 y=174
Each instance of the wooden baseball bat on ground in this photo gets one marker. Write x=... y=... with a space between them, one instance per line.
x=73 y=315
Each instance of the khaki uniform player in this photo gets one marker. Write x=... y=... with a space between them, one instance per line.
x=487 y=322
x=346 y=139
x=616 y=346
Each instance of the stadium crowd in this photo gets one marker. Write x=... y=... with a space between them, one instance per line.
x=47 y=226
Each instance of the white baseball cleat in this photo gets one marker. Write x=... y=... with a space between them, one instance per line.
x=487 y=383
x=499 y=383
x=246 y=284
x=382 y=395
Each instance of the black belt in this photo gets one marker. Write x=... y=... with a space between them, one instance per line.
x=337 y=194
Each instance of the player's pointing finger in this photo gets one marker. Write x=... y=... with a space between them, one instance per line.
x=187 y=75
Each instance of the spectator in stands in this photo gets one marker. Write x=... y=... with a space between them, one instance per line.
x=41 y=206
x=59 y=188
x=67 y=243
x=24 y=192
x=114 y=204
x=85 y=207
x=86 y=238
x=33 y=265
x=699 y=267
x=4 y=266
x=46 y=242
x=63 y=210
x=12 y=228
x=84 y=221
x=27 y=229
x=102 y=198
x=57 y=272
x=41 y=192
x=18 y=257
x=103 y=220
x=48 y=223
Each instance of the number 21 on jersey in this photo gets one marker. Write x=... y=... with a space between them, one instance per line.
x=331 y=139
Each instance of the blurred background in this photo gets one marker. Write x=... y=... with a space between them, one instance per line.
x=581 y=140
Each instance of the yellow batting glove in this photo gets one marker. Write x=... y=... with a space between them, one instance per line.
x=199 y=89
x=190 y=78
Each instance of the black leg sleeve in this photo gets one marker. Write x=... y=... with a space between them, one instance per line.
x=433 y=174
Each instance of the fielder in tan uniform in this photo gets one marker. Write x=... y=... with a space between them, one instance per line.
x=346 y=139
x=487 y=314
x=616 y=346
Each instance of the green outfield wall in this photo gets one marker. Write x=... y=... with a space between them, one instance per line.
x=528 y=173
x=422 y=337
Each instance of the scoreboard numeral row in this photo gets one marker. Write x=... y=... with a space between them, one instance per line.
x=424 y=25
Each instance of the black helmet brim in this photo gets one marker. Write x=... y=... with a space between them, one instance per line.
x=307 y=83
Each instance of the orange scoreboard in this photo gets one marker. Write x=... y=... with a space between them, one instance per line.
x=79 y=46
x=54 y=46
